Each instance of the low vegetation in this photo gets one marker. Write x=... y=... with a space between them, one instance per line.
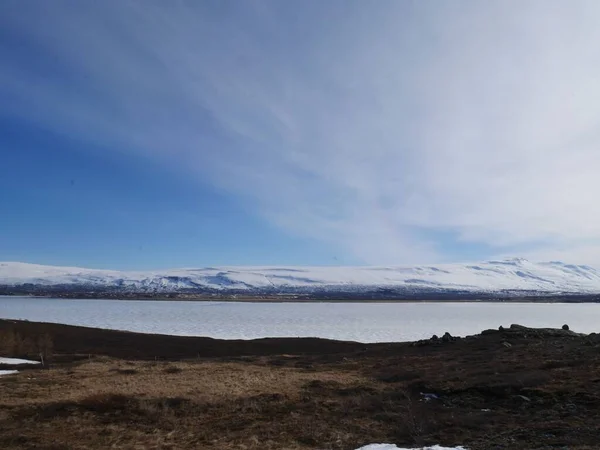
x=517 y=388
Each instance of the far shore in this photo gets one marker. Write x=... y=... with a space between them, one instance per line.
x=300 y=299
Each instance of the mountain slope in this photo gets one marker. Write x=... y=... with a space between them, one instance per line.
x=506 y=276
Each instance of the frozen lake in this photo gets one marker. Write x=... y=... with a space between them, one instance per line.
x=364 y=322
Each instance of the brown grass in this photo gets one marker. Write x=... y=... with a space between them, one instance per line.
x=201 y=380
x=185 y=404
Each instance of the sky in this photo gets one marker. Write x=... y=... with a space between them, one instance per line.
x=152 y=134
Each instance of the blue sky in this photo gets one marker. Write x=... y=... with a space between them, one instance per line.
x=67 y=207
x=149 y=134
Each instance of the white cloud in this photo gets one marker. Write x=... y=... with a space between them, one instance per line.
x=368 y=126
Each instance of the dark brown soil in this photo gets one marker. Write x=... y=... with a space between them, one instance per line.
x=69 y=340
x=519 y=388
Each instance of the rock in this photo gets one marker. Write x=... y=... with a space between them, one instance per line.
x=500 y=328
x=515 y=326
x=447 y=337
x=565 y=327
x=434 y=337
x=507 y=344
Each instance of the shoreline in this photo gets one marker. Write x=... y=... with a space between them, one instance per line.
x=251 y=299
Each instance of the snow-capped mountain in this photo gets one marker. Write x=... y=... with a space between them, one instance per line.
x=506 y=276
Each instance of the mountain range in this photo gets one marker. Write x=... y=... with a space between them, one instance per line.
x=509 y=277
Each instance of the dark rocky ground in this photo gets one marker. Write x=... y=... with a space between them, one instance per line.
x=515 y=388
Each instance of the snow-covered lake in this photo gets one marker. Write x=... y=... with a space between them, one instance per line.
x=364 y=322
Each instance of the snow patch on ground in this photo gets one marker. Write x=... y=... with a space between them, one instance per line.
x=16 y=361
x=8 y=372
x=394 y=447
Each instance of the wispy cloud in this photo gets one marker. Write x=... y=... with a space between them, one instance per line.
x=382 y=127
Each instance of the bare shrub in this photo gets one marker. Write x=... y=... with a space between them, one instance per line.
x=45 y=348
x=417 y=418
x=7 y=342
x=14 y=344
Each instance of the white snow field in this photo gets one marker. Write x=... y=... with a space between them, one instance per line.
x=393 y=447
x=8 y=372
x=362 y=322
x=490 y=276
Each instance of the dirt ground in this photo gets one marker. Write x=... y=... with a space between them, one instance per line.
x=518 y=388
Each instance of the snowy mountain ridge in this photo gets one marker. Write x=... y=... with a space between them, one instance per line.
x=491 y=276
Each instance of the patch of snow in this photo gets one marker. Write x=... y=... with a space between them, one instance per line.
x=8 y=372
x=428 y=397
x=394 y=447
x=17 y=361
